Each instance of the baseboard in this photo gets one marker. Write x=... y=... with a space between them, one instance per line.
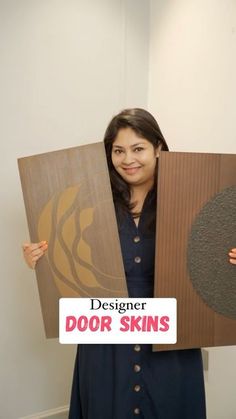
x=57 y=413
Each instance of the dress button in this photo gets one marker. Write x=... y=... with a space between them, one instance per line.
x=136 y=239
x=136 y=411
x=137 y=388
x=137 y=368
x=137 y=348
x=137 y=259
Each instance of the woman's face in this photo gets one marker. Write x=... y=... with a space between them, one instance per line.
x=133 y=157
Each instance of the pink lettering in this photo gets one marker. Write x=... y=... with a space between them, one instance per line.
x=125 y=323
x=70 y=323
x=164 y=320
x=92 y=323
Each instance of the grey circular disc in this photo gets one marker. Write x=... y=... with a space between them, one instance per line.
x=212 y=235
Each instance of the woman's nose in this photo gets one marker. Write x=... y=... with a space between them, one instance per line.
x=128 y=158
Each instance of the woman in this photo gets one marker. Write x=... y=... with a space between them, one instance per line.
x=125 y=381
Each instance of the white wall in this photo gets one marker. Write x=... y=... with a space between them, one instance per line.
x=192 y=91
x=65 y=68
x=192 y=72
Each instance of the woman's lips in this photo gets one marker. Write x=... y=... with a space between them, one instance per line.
x=131 y=170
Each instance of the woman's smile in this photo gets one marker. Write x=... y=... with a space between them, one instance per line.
x=131 y=170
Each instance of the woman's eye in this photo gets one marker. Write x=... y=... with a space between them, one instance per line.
x=117 y=151
x=138 y=149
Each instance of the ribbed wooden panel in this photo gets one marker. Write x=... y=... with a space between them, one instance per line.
x=186 y=183
x=69 y=203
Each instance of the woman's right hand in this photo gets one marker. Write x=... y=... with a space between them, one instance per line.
x=33 y=252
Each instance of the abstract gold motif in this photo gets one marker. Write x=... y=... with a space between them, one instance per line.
x=64 y=224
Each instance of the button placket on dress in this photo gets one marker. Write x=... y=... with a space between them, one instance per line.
x=137 y=246
x=137 y=348
x=137 y=386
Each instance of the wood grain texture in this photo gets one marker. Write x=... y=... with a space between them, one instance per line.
x=69 y=203
x=186 y=183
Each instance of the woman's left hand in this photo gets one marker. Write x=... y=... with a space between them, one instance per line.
x=232 y=256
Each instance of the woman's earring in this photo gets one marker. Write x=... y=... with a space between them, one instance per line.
x=158 y=155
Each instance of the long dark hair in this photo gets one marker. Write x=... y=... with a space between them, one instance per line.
x=145 y=126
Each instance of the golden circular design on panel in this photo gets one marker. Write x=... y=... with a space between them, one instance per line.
x=64 y=224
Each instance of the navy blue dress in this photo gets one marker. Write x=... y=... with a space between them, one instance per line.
x=131 y=381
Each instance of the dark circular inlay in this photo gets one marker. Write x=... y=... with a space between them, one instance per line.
x=212 y=235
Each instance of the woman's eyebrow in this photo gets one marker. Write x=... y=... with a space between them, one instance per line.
x=137 y=144
x=132 y=145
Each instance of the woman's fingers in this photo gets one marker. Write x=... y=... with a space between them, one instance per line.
x=232 y=255
x=33 y=252
x=29 y=247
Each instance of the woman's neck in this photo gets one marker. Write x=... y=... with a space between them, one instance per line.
x=138 y=195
